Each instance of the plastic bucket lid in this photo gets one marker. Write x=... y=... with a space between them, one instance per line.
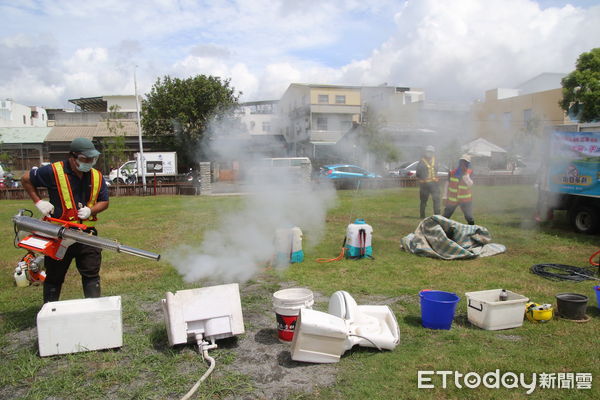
x=290 y=301
x=437 y=308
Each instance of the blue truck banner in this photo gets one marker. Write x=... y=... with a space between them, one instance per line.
x=574 y=164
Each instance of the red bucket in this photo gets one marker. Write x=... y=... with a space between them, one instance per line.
x=287 y=304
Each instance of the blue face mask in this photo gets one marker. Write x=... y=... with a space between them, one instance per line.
x=84 y=167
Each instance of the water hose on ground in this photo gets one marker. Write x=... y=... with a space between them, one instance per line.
x=592 y=259
x=203 y=348
x=562 y=272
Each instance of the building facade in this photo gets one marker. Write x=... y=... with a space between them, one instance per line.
x=313 y=115
x=509 y=113
x=15 y=115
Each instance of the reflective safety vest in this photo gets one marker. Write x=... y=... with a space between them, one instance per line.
x=458 y=191
x=69 y=208
x=431 y=175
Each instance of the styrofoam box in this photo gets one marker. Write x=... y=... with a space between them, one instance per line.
x=72 y=326
x=485 y=310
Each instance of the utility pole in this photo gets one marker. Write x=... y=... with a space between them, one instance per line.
x=139 y=124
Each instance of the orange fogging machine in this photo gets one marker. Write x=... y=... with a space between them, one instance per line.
x=52 y=237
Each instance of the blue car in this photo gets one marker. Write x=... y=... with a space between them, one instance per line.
x=345 y=173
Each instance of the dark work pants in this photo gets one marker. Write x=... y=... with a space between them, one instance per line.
x=425 y=190
x=87 y=260
x=467 y=209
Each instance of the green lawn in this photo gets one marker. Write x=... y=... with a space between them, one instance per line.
x=147 y=368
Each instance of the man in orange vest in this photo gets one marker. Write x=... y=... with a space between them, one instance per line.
x=77 y=193
x=459 y=190
x=428 y=181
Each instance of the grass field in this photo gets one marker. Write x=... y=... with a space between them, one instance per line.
x=146 y=368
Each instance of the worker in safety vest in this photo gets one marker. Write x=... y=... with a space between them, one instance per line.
x=459 y=190
x=77 y=193
x=428 y=181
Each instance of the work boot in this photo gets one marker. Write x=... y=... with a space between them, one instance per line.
x=51 y=291
x=91 y=287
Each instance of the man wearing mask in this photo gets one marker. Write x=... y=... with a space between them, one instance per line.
x=428 y=181
x=77 y=193
x=459 y=190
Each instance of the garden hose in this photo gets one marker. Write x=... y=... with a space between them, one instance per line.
x=562 y=272
x=592 y=259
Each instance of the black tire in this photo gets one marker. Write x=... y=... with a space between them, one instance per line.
x=585 y=219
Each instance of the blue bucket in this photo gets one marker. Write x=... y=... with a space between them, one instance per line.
x=437 y=308
x=597 y=290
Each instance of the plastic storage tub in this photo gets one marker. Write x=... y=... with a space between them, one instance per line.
x=485 y=310
x=71 y=326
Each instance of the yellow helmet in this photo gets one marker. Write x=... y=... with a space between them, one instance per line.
x=539 y=312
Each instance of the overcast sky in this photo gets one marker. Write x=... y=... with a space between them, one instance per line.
x=52 y=51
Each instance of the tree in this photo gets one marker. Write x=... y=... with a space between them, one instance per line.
x=114 y=146
x=377 y=140
x=178 y=112
x=581 y=88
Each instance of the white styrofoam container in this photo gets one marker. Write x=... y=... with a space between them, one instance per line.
x=485 y=310
x=72 y=326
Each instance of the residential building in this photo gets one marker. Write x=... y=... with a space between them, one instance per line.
x=311 y=115
x=99 y=119
x=17 y=115
x=508 y=113
x=259 y=119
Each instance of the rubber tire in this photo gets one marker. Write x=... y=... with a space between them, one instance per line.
x=585 y=219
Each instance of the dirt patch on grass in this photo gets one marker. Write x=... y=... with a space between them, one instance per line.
x=267 y=361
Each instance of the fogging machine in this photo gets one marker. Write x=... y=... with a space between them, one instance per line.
x=52 y=237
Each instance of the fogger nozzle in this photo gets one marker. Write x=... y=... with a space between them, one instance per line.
x=42 y=228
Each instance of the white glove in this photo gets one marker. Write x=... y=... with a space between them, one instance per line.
x=45 y=207
x=467 y=180
x=84 y=213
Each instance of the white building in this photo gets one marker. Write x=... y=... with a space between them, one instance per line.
x=15 y=115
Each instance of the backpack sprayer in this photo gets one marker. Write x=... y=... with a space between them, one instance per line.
x=52 y=237
x=357 y=242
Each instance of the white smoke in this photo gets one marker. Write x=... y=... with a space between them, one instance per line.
x=244 y=241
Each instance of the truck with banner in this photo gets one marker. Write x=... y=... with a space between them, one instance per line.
x=571 y=178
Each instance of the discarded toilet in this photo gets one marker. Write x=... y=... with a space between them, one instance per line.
x=203 y=315
x=358 y=240
x=288 y=246
x=437 y=308
x=486 y=310
x=571 y=306
x=212 y=313
x=323 y=337
x=73 y=326
x=287 y=304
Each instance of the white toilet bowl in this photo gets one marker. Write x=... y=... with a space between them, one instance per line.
x=323 y=337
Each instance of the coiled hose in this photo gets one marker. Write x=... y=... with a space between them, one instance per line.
x=562 y=272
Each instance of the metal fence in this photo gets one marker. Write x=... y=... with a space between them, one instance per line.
x=190 y=189
x=115 y=191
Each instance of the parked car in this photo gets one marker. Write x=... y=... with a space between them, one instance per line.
x=345 y=175
x=409 y=169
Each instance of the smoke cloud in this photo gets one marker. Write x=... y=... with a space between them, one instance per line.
x=244 y=241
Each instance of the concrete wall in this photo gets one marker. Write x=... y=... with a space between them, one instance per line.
x=126 y=103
